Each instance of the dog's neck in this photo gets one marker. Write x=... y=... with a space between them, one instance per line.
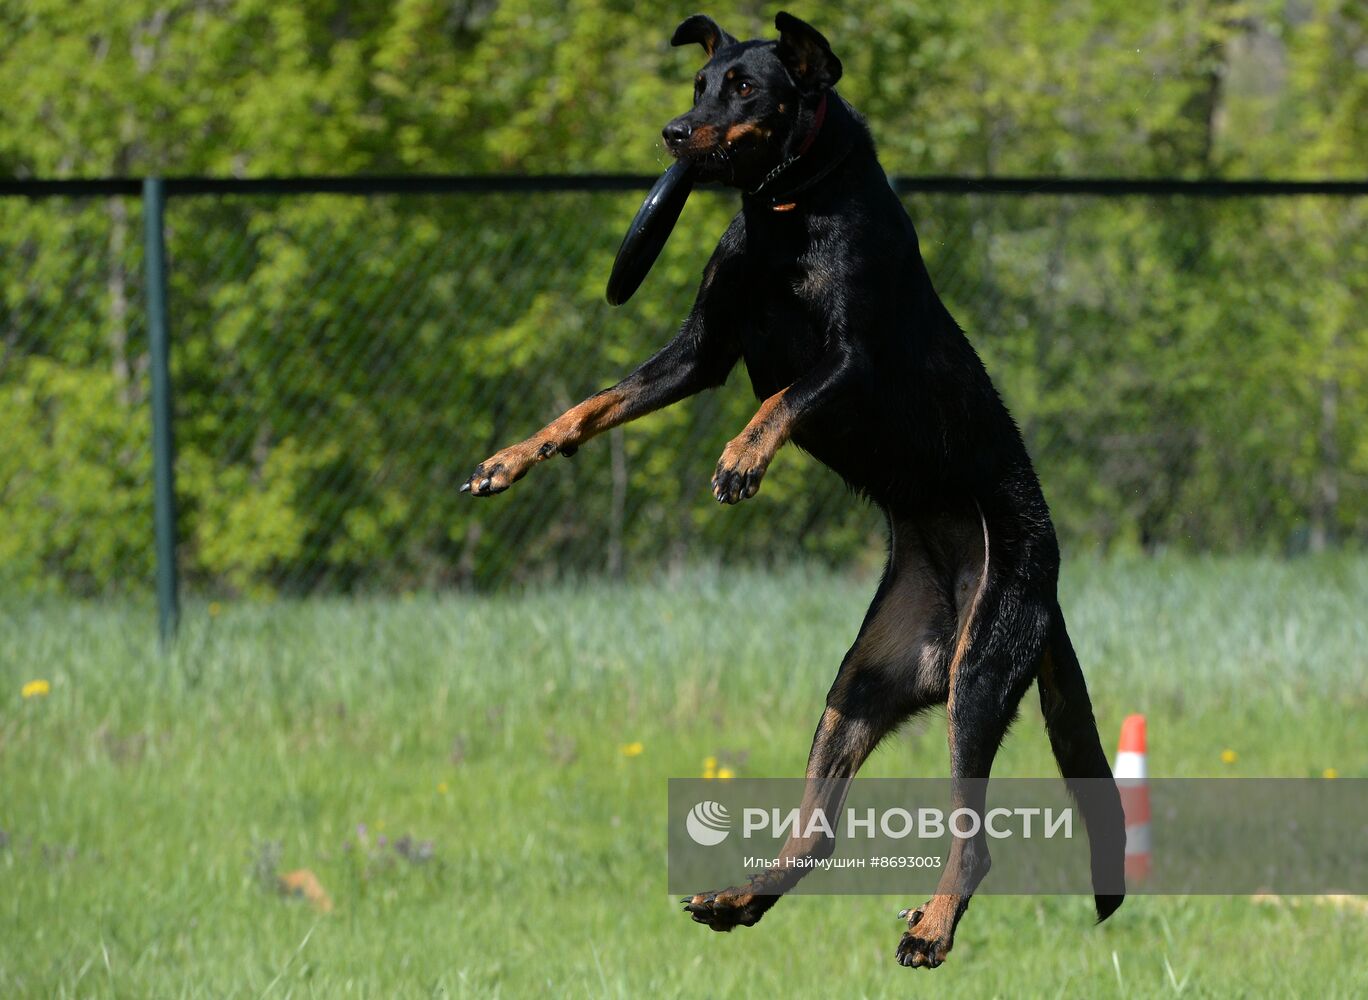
x=828 y=139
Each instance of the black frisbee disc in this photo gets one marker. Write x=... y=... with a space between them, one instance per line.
x=649 y=230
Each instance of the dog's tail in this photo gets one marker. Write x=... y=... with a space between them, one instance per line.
x=1078 y=751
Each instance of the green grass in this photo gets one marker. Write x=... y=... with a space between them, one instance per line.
x=147 y=799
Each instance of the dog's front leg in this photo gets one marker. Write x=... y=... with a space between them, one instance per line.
x=748 y=455
x=699 y=357
x=691 y=362
x=562 y=436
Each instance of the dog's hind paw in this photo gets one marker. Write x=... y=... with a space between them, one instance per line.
x=727 y=908
x=924 y=950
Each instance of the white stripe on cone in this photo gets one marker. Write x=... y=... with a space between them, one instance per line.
x=1130 y=766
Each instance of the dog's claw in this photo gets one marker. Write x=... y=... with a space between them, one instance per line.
x=731 y=485
x=465 y=488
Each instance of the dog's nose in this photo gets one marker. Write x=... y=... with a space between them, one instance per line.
x=677 y=132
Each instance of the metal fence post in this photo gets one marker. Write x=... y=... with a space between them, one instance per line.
x=163 y=443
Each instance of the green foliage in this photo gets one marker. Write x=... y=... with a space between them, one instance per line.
x=1189 y=373
x=75 y=472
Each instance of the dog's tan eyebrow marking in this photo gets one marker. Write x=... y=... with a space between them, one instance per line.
x=730 y=74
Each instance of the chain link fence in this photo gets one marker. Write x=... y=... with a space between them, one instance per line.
x=1188 y=366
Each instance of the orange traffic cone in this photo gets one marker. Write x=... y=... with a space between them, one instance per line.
x=1132 y=778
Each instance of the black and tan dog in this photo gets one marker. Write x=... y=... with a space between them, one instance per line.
x=819 y=286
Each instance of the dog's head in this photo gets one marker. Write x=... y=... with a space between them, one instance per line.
x=755 y=102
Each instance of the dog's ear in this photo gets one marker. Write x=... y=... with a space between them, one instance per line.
x=806 y=54
x=704 y=30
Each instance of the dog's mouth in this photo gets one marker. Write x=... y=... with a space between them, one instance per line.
x=709 y=163
x=728 y=155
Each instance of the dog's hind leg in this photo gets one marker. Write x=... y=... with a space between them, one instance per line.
x=886 y=676
x=994 y=662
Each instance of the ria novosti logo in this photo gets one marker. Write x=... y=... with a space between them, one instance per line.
x=708 y=823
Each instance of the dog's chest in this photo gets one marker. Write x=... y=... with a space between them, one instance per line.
x=783 y=333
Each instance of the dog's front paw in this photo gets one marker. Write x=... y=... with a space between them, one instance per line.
x=728 y=908
x=738 y=473
x=498 y=472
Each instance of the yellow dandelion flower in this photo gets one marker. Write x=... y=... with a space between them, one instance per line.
x=724 y=773
x=35 y=689
x=632 y=749
x=215 y=609
x=1330 y=773
x=710 y=763
x=442 y=788
x=1229 y=756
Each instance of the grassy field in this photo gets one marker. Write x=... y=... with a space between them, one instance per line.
x=511 y=846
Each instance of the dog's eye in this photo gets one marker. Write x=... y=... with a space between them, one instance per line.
x=744 y=88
